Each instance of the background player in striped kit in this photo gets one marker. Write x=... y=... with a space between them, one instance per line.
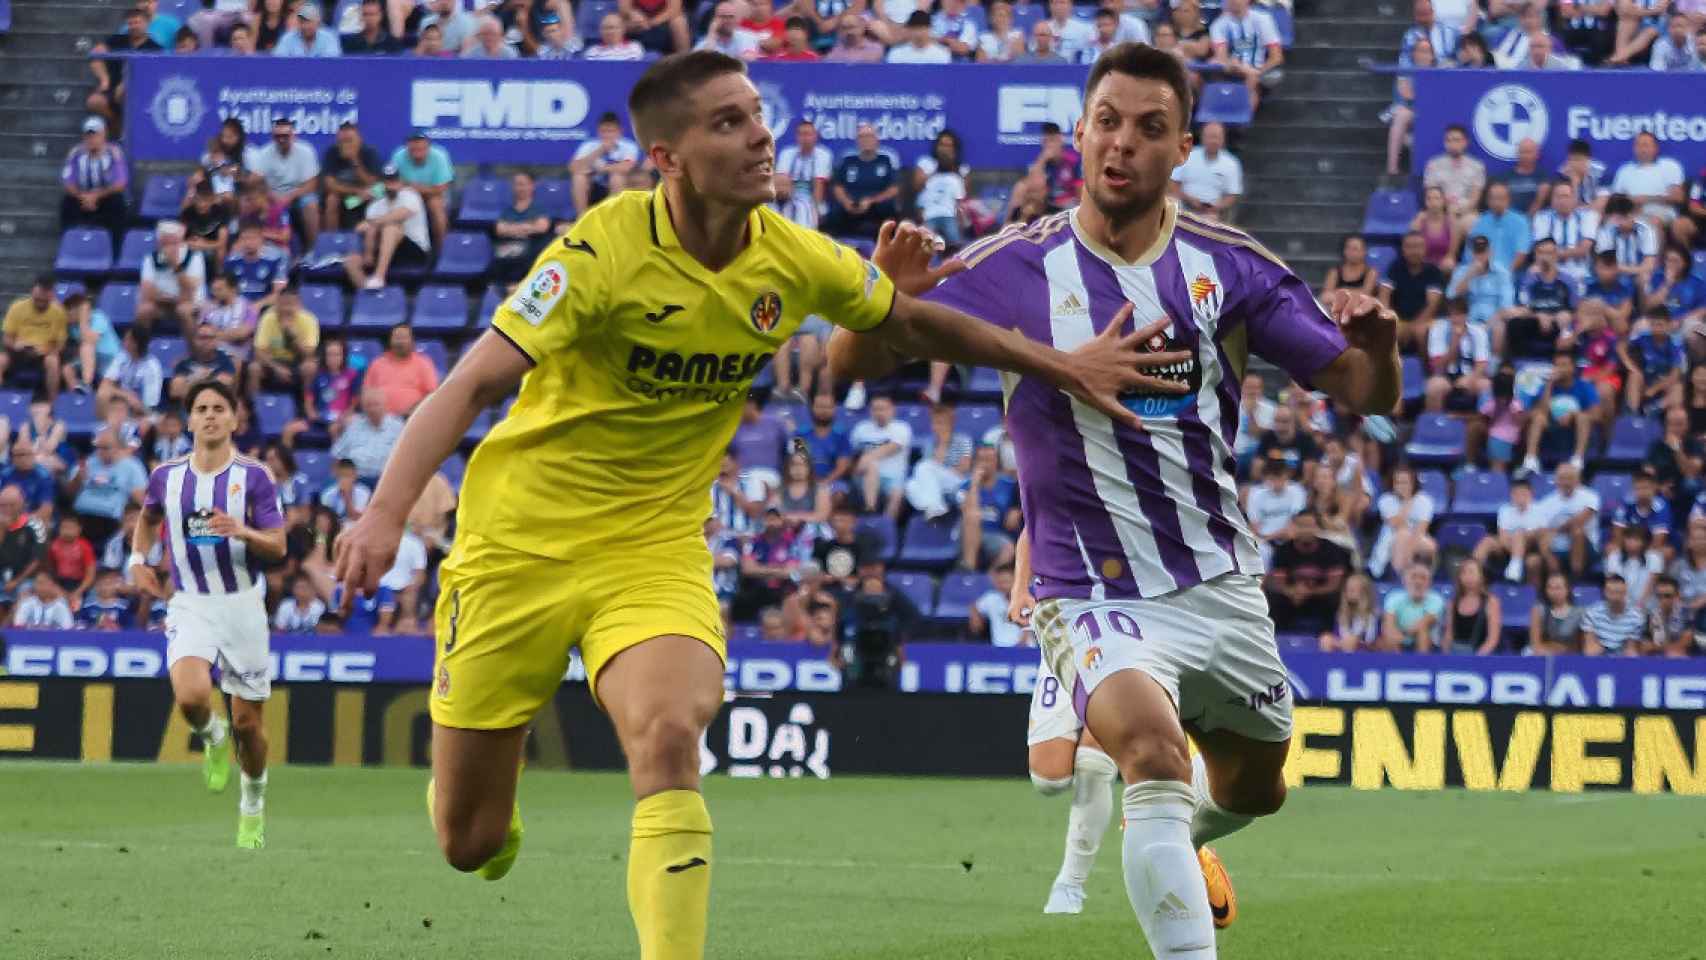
x=222 y=522
x=1150 y=608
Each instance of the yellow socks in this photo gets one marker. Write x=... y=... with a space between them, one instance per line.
x=669 y=875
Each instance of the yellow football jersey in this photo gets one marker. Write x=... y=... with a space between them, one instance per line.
x=642 y=361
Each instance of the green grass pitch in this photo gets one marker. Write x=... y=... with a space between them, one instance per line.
x=117 y=862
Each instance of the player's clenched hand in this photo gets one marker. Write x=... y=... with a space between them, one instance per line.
x=1019 y=605
x=225 y=525
x=363 y=552
x=904 y=252
x=146 y=580
x=1368 y=326
x=1111 y=364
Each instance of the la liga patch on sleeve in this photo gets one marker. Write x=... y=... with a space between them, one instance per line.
x=536 y=297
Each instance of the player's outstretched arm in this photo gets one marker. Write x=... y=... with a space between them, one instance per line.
x=1368 y=376
x=487 y=373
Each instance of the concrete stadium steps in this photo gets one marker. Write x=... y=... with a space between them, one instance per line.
x=99 y=19
x=42 y=95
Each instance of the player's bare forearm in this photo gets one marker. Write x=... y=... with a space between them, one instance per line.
x=266 y=544
x=142 y=536
x=930 y=331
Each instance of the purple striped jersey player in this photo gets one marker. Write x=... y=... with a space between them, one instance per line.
x=1150 y=613
x=221 y=519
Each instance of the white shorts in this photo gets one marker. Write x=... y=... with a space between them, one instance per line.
x=1052 y=716
x=229 y=631
x=1211 y=647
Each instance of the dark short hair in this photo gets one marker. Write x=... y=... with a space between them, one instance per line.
x=655 y=105
x=136 y=12
x=1457 y=304
x=282 y=121
x=140 y=336
x=1606 y=258
x=1105 y=12
x=1050 y=128
x=1619 y=205
x=1146 y=63
x=209 y=383
x=799 y=23
x=609 y=116
x=44 y=280
x=1457 y=128
x=1564 y=182
x=1522 y=481
x=1658 y=311
x=1579 y=148
x=1542 y=240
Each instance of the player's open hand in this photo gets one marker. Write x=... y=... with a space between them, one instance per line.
x=1368 y=326
x=904 y=252
x=1111 y=364
x=362 y=554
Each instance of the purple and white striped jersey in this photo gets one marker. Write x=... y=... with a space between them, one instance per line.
x=1115 y=512
x=204 y=562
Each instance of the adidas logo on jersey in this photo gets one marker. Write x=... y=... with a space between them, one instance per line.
x=1071 y=306
x=1173 y=908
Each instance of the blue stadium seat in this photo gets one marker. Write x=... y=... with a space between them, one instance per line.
x=747 y=633
x=15 y=406
x=436 y=352
x=1585 y=594
x=453 y=468
x=1700 y=265
x=168 y=350
x=77 y=411
x=5 y=16
x=465 y=256
x=440 y=307
x=881 y=529
x=928 y=545
x=555 y=197
x=959 y=591
x=384 y=308
x=483 y=198
x=1227 y=103
x=325 y=262
x=66 y=288
x=1283 y=24
x=1542 y=484
x=1434 y=484
x=363 y=349
x=182 y=9
x=1389 y=214
x=1380 y=257
x=1026 y=15
x=587 y=17
x=984 y=386
x=1613 y=489
x=118 y=302
x=1460 y=535
x=920 y=588
x=1515 y=601
x=977 y=420
x=138 y=246
x=325 y=301
x=1415 y=379
x=273 y=411
x=1480 y=494
x=84 y=253
x=489 y=303
x=162 y=197
x=316 y=465
x=1629 y=440
x=481 y=426
x=916 y=416
x=1437 y=441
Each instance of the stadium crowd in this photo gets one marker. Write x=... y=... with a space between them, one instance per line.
x=1550 y=320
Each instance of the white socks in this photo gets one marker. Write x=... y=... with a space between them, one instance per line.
x=1092 y=808
x=213 y=734
x=254 y=795
x=1162 y=876
x=1209 y=821
x=1049 y=788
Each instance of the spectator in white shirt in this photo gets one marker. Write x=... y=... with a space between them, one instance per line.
x=939 y=180
x=489 y=42
x=726 y=34
x=1634 y=241
x=1211 y=180
x=613 y=43
x=1521 y=539
x=990 y=611
x=1540 y=55
x=1572 y=519
x=1070 y=33
x=395 y=233
x=1405 y=512
x=1511 y=52
x=292 y=171
x=173 y=279
x=1573 y=226
x=1654 y=183
x=301 y=611
x=601 y=166
x=1002 y=41
x=44 y=609
x=134 y=378
x=1675 y=51
x=1247 y=46
x=1131 y=28
x=803 y=169
x=310 y=38
x=1272 y=503
x=400 y=587
x=920 y=46
x=884 y=446
x=1458 y=353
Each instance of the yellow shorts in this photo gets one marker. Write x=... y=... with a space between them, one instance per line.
x=506 y=621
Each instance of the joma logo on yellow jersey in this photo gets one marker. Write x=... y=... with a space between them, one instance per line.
x=698 y=367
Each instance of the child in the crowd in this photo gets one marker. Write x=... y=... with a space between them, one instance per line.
x=44 y=609
x=71 y=559
x=107 y=608
x=301 y=611
x=989 y=613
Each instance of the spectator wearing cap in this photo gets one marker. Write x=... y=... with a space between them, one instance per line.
x=173 y=281
x=107 y=99
x=95 y=176
x=919 y=46
x=308 y=38
x=1247 y=46
x=426 y=168
x=1211 y=180
x=1654 y=184
x=601 y=166
x=1507 y=229
x=489 y=42
x=393 y=234
x=1633 y=240
x=1459 y=175
x=658 y=25
x=865 y=187
x=35 y=331
x=348 y=172
x=1484 y=281
x=373 y=39
x=796 y=43
x=853 y=42
x=1002 y=41
x=292 y=173
x=403 y=374
x=613 y=43
x=557 y=41
x=727 y=36
x=367 y=439
x=430 y=43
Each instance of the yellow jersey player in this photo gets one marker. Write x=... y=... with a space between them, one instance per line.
x=634 y=341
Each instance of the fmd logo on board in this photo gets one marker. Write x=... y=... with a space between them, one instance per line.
x=1507 y=115
x=177 y=108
